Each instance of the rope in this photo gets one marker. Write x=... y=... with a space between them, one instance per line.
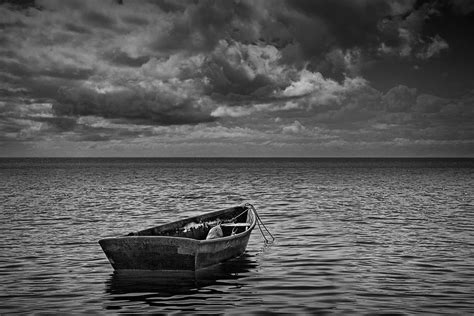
x=235 y=217
x=259 y=221
x=261 y=232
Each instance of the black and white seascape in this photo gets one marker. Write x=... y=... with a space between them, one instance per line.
x=347 y=124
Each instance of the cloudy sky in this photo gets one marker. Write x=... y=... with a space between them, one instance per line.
x=237 y=78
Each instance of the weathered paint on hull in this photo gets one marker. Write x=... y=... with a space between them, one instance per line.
x=165 y=253
x=172 y=253
x=150 y=253
x=214 y=252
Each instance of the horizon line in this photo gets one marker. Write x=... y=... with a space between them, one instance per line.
x=238 y=157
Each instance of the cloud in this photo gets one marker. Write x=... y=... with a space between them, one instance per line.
x=246 y=70
x=199 y=26
x=347 y=62
x=120 y=58
x=235 y=111
x=294 y=128
x=98 y=19
x=320 y=90
x=309 y=82
x=402 y=35
x=345 y=23
x=399 y=99
x=283 y=72
x=242 y=110
x=157 y=103
x=434 y=48
x=462 y=7
x=426 y=103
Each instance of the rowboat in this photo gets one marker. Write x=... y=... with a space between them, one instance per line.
x=184 y=244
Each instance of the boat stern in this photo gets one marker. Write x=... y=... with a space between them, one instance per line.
x=150 y=253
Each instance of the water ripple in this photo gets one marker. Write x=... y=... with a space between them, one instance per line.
x=353 y=236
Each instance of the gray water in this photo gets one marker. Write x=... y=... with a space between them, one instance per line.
x=354 y=236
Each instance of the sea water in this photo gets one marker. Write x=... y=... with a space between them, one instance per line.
x=353 y=236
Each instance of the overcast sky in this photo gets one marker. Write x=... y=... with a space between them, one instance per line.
x=237 y=78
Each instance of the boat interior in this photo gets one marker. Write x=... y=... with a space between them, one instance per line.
x=226 y=224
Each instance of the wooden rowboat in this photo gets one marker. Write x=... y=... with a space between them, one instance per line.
x=182 y=245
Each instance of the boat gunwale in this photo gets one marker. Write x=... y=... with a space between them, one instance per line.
x=247 y=231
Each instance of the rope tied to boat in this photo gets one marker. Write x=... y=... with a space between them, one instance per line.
x=260 y=222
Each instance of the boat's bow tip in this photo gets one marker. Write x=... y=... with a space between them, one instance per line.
x=103 y=241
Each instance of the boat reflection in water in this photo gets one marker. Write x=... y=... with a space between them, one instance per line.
x=177 y=289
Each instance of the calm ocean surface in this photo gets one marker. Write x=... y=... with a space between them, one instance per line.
x=353 y=236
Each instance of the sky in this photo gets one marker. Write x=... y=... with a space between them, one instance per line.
x=264 y=78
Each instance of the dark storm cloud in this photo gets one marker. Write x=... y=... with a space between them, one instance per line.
x=27 y=128
x=62 y=124
x=347 y=23
x=14 y=68
x=98 y=19
x=11 y=24
x=200 y=25
x=132 y=106
x=77 y=28
x=9 y=130
x=340 y=70
x=432 y=51
x=102 y=134
x=19 y=4
x=399 y=99
x=38 y=82
x=169 y=5
x=462 y=7
x=233 y=79
x=66 y=72
x=363 y=113
x=121 y=58
x=136 y=20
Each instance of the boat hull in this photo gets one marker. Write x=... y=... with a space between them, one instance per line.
x=174 y=253
x=216 y=251
x=150 y=253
